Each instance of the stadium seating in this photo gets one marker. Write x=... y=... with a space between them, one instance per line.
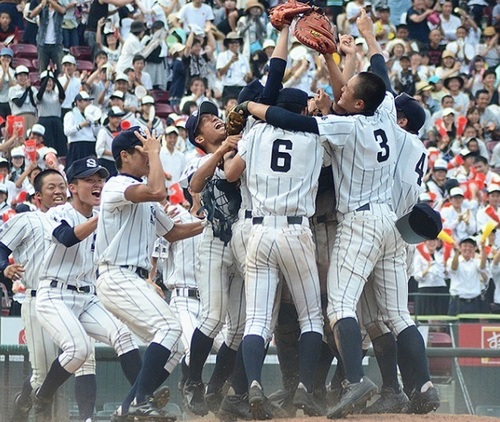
x=25 y=50
x=81 y=52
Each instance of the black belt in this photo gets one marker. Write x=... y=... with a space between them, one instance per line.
x=190 y=292
x=320 y=219
x=79 y=289
x=474 y=299
x=141 y=272
x=290 y=220
x=248 y=214
x=33 y=293
x=365 y=207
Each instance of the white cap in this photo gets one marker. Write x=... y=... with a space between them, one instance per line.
x=17 y=152
x=493 y=188
x=22 y=69
x=424 y=197
x=456 y=192
x=268 y=43
x=448 y=110
x=121 y=77
x=171 y=129
x=176 y=48
x=68 y=58
x=38 y=129
x=48 y=150
x=3 y=188
x=440 y=164
x=148 y=99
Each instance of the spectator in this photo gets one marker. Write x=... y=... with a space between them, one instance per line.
x=178 y=84
x=447 y=102
x=8 y=32
x=416 y=19
x=463 y=51
x=490 y=114
x=70 y=82
x=468 y=278
x=112 y=45
x=407 y=78
x=252 y=27
x=80 y=131
x=198 y=59
x=9 y=188
x=459 y=217
x=449 y=66
x=495 y=275
x=156 y=61
x=436 y=183
x=384 y=30
x=132 y=46
x=4 y=195
x=477 y=67
x=49 y=98
x=147 y=119
x=49 y=38
x=353 y=12
x=490 y=212
x=141 y=77
x=130 y=101
x=70 y=24
x=105 y=138
x=489 y=84
x=454 y=84
x=449 y=22
x=22 y=98
x=490 y=49
x=7 y=80
x=196 y=13
x=226 y=17
x=172 y=160
x=435 y=48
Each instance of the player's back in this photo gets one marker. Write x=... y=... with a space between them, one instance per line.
x=411 y=167
x=282 y=170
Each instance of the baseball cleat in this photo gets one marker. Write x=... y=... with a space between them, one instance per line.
x=194 y=398
x=22 y=407
x=160 y=397
x=147 y=412
x=213 y=401
x=388 y=402
x=307 y=402
x=235 y=407
x=43 y=409
x=257 y=402
x=355 y=395
x=422 y=403
x=333 y=396
x=284 y=401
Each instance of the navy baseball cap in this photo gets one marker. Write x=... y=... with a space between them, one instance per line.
x=292 y=96
x=126 y=139
x=420 y=224
x=85 y=167
x=251 y=92
x=412 y=110
x=206 y=107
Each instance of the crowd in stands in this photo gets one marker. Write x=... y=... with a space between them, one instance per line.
x=75 y=72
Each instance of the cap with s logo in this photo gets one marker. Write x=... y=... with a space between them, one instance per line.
x=85 y=167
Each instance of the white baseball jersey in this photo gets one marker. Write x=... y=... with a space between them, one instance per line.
x=73 y=265
x=277 y=187
x=25 y=235
x=122 y=220
x=411 y=167
x=367 y=146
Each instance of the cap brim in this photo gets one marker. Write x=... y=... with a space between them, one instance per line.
x=206 y=107
x=101 y=171
x=407 y=233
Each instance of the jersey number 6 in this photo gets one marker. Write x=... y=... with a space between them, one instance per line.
x=281 y=161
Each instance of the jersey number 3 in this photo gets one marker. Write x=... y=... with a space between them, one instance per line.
x=382 y=140
x=281 y=161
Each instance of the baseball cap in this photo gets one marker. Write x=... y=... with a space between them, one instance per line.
x=413 y=111
x=121 y=77
x=251 y=92
x=21 y=69
x=6 y=51
x=457 y=191
x=434 y=79
x=421 y=223
x=117 y=94
x=3 y=188
x=171 y=129
x=17 y=152
x=448 y=110
x=206 y=107
x=440 y=164
x=424 y=197
x=126 y=139
x=292 y=96
x=116 y=112
x=68 y=58
x=447 y=53
x=268 y=43
x=85 y=167
x=493 y=188
x=38 y=129
x=147 y=99
x=83 y=95
x=489 y=31
x=466 y=152
x=137 y=27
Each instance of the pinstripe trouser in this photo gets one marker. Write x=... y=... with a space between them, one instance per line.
x=221 y=290
x=368 y=243
x=71 y=317
x=290 y=249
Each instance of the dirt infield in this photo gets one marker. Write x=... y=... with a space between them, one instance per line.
x=432 y=417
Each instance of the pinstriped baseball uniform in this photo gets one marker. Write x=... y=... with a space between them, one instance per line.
x=364 y=154
x=283 y=185
x=122 y=291
x=25 y=235
x=71 y=316
x=222 y=290
x=411 y=166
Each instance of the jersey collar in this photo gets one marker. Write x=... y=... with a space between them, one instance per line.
x=129 y=175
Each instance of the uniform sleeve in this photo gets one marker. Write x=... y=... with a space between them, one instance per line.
x=13 y=232
x=163 y=222
x=336 y=130
x=242 y=147
x=115 y=194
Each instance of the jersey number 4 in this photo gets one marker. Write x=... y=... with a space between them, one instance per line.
x=419 y=169
x=281 y=161
x=382 y=140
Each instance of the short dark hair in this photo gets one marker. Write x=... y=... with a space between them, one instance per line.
x=40 y=177
x=489 y=72
x=446 y=96
x=187 y=107
x=196 y=79
x=481 y=91
x=480 y=159
x=371 y=89
x=137 y=58
x=118 y=160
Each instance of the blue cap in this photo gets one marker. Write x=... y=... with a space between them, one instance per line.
x=6 y=51
x=126 y=139
x=292 y=96
x=422 y=223
x=85 y=167
x=251 y=92
x=206 y=107
x=413 y=111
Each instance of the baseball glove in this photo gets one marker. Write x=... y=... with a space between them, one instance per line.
x=284 y=13
x=314 y=30
x=235 y=122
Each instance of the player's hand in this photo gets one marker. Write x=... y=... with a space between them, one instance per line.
x=229 y=144
x=347 y=45
x=365 y=24
x=14 y=272
x=150 y=143
x=323 y=101
x=242 y=108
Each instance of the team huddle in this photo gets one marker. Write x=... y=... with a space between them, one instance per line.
x=298 y=232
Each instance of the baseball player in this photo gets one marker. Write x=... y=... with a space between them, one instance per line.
x=283 y=188
x=129 y=210
x=222 y=294
x=23 y=237
x=67 y=305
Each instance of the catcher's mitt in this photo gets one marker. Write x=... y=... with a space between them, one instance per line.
x=314 y=30
x=235 y=121
x=284 y=13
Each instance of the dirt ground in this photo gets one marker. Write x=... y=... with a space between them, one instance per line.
x=432 y=417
